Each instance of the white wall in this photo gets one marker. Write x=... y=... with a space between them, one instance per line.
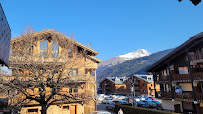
x=169 y=104
x=186 y=86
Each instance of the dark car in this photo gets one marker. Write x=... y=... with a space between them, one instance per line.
x=142 y=104
x=159 y=105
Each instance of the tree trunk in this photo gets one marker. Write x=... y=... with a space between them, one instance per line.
x=44 y=109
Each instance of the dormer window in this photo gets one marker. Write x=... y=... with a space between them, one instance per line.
x=49 y=48
x=44 y=48
x=44 y=45
x=54 y=49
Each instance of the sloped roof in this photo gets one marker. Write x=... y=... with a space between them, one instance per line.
x=117 y=80
x=145 y=77
x=52 y=32
x=176 y=51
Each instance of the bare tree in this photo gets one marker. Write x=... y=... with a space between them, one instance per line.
x=39 y=75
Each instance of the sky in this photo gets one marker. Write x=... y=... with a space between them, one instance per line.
x=113 y=27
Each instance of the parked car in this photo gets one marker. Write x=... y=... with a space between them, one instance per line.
x=150 y=103
x=106 y=100
x=100 y=112
x=159 y=105
x=151 y=98
x=120 y=102
x=142 y=104
x=141 y=98
x=110 y=106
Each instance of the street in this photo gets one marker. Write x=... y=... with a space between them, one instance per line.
x=101 y=106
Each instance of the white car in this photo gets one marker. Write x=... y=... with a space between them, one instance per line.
x=106 y=100
x=100 y=112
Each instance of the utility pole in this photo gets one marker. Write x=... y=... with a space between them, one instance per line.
x=133 y=90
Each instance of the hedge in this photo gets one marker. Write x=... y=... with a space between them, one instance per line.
x=138 y=110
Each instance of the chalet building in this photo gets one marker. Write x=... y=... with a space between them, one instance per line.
x=84 y=75
x=113 y=85
x=180 y=75
x=5 y=37
x=143 y=85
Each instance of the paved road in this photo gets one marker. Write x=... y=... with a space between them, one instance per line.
x=101 y=106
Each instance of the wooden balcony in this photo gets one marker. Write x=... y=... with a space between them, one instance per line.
x=186 y=77
x=184 y=96
x=40 y=60
x=74 y=97
x=181 y=78
x=137 y=88
x=65 y=79
x=163 y=78
x=164 y=95
x=198 y=76
x=199 y=97
x=196 y=57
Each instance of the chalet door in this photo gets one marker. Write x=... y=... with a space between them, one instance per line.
x=73 y=109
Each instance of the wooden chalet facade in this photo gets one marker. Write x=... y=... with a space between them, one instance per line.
x=183 y=68
x=84 y=95
x=143 y=85
x=113 y=85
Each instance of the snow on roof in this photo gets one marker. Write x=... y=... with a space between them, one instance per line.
x=117 y=80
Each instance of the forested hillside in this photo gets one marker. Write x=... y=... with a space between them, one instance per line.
x=134 y=66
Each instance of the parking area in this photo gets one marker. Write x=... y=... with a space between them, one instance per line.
x=101 y=106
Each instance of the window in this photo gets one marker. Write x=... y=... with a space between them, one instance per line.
x=32 y=111
x=73 y=90
x=149 y=78
x=143 y=85
x=54 y=54
x=183 y=70
x=54 y=46
x=144 y=91
x=70 y=53
x=44 y=45
x=65 y=108
x=121 y=80
x=92 y=73
x=54 y=49
x=73 y=72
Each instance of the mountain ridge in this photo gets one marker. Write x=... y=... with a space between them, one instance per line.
x=130 y=67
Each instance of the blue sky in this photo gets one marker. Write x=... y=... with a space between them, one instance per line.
x=113 y=27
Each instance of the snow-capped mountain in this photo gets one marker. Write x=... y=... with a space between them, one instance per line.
x=136 y=54
x=120 y=59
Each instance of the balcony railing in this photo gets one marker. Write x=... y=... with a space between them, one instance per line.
x=197 y=76
x=73 y=97
x=17 y=60
x=199 y=96
x=184 y=96
x=187 y=96
x=165 y=95
x=196 y=56
x=163 y=78
x=186 y=77
x=137 y=88
x=181 y=78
